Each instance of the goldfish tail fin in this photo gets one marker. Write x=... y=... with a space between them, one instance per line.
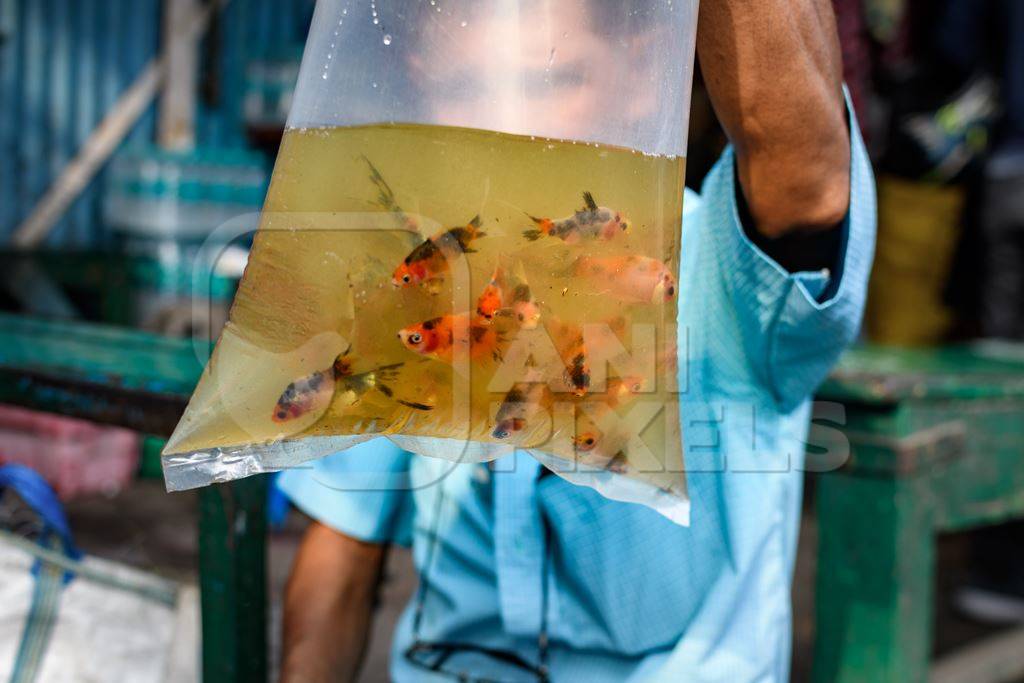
x=532 y=235
x=385 y=389
x=388 y=372
x=414 y=405
x=588 y=201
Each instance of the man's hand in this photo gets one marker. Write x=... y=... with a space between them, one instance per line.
x=774 y=74
x=328 y=606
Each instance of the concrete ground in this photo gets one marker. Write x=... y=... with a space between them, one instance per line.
x=145 y=527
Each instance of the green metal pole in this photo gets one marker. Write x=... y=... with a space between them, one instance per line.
x=232 y=577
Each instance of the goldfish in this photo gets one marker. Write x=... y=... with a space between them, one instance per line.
x=314 y=392
x=386 y=199
x=430 y=260
x=568 y=341
x=509 y=296
x=440 y=337
x=521 y=405
x=589 y=439
x=635 y=279
x=592 y=221
x=492 y=299
x=585 y=445
x=596 y=449
x=525 y=308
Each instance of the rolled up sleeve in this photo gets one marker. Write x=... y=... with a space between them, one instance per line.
x=790 y=337
x=363 y=492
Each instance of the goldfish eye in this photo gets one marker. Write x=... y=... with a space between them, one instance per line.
x=415 y=338
x=589 y=441
x=406 y=278
x=637 y=387
x=500 y=433
x=282 y=415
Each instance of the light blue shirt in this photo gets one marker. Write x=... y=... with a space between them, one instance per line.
x=630 y=596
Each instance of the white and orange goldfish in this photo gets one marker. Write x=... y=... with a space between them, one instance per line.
x=590 y=222
x=524 y=403
x=314 y=392
x=632 y=278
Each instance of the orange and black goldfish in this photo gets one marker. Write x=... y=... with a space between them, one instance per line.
x=314 y=392
x=634 y=279
x=590 y=222
x=568 y=341
x=522 y=404
x=440 y=337
x=430 y=260
x=386 y=199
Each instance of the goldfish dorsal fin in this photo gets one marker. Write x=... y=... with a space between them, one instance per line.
x=475 y=221
x=588 y=201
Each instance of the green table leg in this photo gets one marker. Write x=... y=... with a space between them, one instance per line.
x=232 y=576
x=875 y=579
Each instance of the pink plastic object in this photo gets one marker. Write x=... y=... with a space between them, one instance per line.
x=75 y=456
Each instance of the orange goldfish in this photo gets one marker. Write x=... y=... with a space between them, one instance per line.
x=587 y=446
x=429 y=261
x=439 y=337
x=592 y=221
x=314 y=392
x=492 y=299
x=621 y=391
x=636 y=279
x=521 y=405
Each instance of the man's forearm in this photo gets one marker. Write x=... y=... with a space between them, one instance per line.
x=774 y=74
x=328 y=606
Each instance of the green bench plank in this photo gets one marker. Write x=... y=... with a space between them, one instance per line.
x=143 y=382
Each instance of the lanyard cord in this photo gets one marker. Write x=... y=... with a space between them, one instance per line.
x=542 y=637
x=421 y=593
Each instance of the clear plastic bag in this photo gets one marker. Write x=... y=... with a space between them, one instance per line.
x=470 y=245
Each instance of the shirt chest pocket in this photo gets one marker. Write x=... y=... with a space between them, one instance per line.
x=623 y=578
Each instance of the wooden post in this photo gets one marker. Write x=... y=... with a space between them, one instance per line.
x=176 y=120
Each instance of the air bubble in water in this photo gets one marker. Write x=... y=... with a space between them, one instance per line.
x=387 y=38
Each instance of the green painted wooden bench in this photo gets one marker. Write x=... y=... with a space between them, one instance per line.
x=936 y=443
x=143 y=382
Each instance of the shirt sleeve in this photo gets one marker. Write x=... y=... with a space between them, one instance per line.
x=792 y=335
x=363 y=492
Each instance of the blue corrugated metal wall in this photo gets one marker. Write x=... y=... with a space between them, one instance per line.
x=64 y=62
